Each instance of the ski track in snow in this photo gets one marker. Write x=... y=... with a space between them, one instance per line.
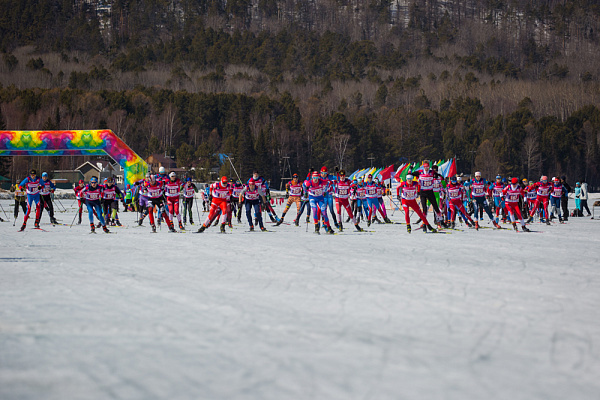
x=294 y=315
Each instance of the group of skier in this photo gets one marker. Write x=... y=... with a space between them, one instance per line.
x=321 y=194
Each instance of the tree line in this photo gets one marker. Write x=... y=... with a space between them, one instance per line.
x=259 y=131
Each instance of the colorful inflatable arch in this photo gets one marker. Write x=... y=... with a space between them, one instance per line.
x=74 y=143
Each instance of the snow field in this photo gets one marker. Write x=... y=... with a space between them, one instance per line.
x=293 y=315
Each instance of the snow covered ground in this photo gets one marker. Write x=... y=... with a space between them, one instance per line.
x=292 y=315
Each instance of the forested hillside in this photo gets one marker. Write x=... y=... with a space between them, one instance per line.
x=508 y=86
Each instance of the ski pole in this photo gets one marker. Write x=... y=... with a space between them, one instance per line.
x=61 y=204
x=77 y=212
x=197 y=211
x=6 y=215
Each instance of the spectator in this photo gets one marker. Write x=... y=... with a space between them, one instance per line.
x=578 y=212
x=564 y=200
x=584 y=198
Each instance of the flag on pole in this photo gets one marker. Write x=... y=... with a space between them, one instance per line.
x=386 y=173
x=452 y=169
x=401 y=169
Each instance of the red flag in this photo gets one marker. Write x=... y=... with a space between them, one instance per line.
x=452 y=169
x=387 y=173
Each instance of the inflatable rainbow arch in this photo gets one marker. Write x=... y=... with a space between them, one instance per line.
x=74 y=143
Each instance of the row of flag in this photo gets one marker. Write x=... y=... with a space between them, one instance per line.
x=445 y=168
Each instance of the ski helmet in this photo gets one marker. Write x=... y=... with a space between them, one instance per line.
x=453 y=179
x=498 y=178
x=369 y=176
x=172 y=175
x=315 y=175
x=409 y=178
x=33 y=172
x=477 y=174
x=324 y=169
x=224 y=180
x=295 y=176
x=251 y=182
x=44 y=174
x=425 y=163
x=93 y=179
x=81 y=181
x=161 y=170
x=514 y=181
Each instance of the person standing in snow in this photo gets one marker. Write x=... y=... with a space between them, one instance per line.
x=578 y=212
x=189 y=192
x=316 y=188
x=32 y=185
x=250 y=196
x=542 y=189
x=584 y=198
x=46 y=192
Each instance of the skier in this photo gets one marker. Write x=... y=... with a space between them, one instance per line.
x=316 y=188
x=564 y=200
x=381 y=207
x=499 y=205
x=46 y=192
x=20 y=200
x=512 y=193
x=341 y=192
x=456 y=195
x=110 y=193
x=542 y=189
x=32 y=185
x=363 y=206
x=220 y=192
x=479 y=202
x=80 y=200
x=293 y=193
x=172 y=192
x=328 y=195
x=236 y=205
x=371 y=196
x=250 y=196
x=556 y=194
x=92 y=193
x=127 y=199
x=189 y=193
x=263 y=188
x=407 y=193
x=155 y=199
x=426 y=179
x=304 y=205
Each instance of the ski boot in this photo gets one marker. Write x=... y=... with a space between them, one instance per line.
x=98 y=225
x=476 y=225
x=230 y=225
x=329 y=230
x=105 y=229
x=317 y=227
x=119 y=223
x=424 y=227
x=548 y=222
x=529 y=220
x=358 y=228
x=251 y=228
x=191 y=221
x=514 y=225
x=263 y=229
x=53 y=221
x=23 y=227
x=496 y=225
x=340 y=227
x=561 y=220
x=181 y=226
x=524 y=228
x=452 y=225
x=296 y=222
x=255 y=221
x=201 y=229
x=272 y=218
x=368 y=222
x=223 y=228
x=408 y=228
x=377 y=220
x=280 y=220
x=37 y=224
x=153 y=228
x=431 y=229
x=387 y=220
x=140 y=222
x=93 y=227
x=307 y=219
